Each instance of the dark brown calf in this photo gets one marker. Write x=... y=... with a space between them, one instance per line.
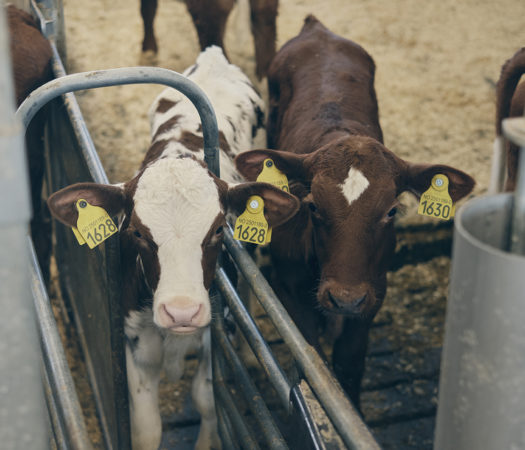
x=510 y=102
x=331 y=259
x=209 y=18
x=30 y=57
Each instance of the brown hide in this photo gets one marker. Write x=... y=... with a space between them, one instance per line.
x=210 y=17
x=330 y=260
x=331 y=103
x=30 y=53
x=510 y=102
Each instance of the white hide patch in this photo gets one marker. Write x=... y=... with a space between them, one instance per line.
x=178 y=201
x=354 y=185
x=232 y=96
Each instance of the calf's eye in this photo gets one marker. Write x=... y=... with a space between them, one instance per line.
x=218 y=230
x=312 y=207
x=392 y=212
x=136 y=233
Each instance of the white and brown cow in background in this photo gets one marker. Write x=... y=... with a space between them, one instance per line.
x=330 y=260
x=510 y=102
x=209 y=18
x=172 y=215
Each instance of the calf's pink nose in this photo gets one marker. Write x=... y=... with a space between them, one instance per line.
x=181 y=316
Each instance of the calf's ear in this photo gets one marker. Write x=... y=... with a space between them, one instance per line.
x=250 y=163
x=279 y=206
x=419 y=177
x=62 y=203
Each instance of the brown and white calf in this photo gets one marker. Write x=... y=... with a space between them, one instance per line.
x=209 y=18
x=330 y=260
x=510 y=102
x=172 y=215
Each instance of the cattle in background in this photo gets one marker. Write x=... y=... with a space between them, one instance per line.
x=209 y=18
x=172 y=215
x=31 y=63
x=510 y=102
x=330 y=260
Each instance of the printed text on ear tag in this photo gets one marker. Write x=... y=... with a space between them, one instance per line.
x=436 y=201
x=251 y=225
x=271 y=174
x=94 y=224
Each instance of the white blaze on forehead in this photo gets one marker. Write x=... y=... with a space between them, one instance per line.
x=178 y=201
x=354 y=185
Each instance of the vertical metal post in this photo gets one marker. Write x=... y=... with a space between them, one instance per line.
x=514 y=130
x=22 y=422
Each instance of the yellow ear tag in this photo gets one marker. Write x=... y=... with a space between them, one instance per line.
x=271 y=174
x=94 y=224
x=251 y=226
x=79 y=237
x=436 y=201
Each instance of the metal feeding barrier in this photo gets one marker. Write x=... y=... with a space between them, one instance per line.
x=311 y=402
x=482 y=382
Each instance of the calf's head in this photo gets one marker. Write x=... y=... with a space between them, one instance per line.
x=348 y=190
x=171 y=227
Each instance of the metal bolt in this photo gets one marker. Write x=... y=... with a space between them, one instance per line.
x=82 y=204
x=269 y=163
x=439 y=182
x=254 y=204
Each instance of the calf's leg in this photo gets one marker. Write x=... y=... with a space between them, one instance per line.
x=202 y=394
x=263 y=15
x=148 y=9
x=143 y=365
x=349 y=357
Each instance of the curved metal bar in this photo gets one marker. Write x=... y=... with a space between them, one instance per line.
x=131 y=75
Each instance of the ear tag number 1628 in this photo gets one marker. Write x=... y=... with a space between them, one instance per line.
x=251 y=226
x=436 y=201
x=94 y=225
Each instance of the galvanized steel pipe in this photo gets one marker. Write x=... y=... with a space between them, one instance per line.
x=257 y=343
x=131 y=75
x=57 y=371
x=514 y=130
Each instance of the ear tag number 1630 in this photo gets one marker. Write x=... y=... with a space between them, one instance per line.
x=94 y=225
x=436 y=201
x=251 y=226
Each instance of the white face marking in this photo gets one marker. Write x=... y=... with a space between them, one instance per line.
x=232 y=97
x=178 y=201
x=354 y=185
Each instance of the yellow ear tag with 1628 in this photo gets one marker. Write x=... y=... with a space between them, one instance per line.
x=251 y=226
x=271 y=174
x=94 y=224
x=436 y=201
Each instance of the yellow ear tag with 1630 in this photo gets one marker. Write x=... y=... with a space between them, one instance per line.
x=271 y=174
x=436 y=201
x=94 y=225
x=251 y=226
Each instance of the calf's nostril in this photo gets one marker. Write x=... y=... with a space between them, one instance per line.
x=334 y=302
x=360 y=301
